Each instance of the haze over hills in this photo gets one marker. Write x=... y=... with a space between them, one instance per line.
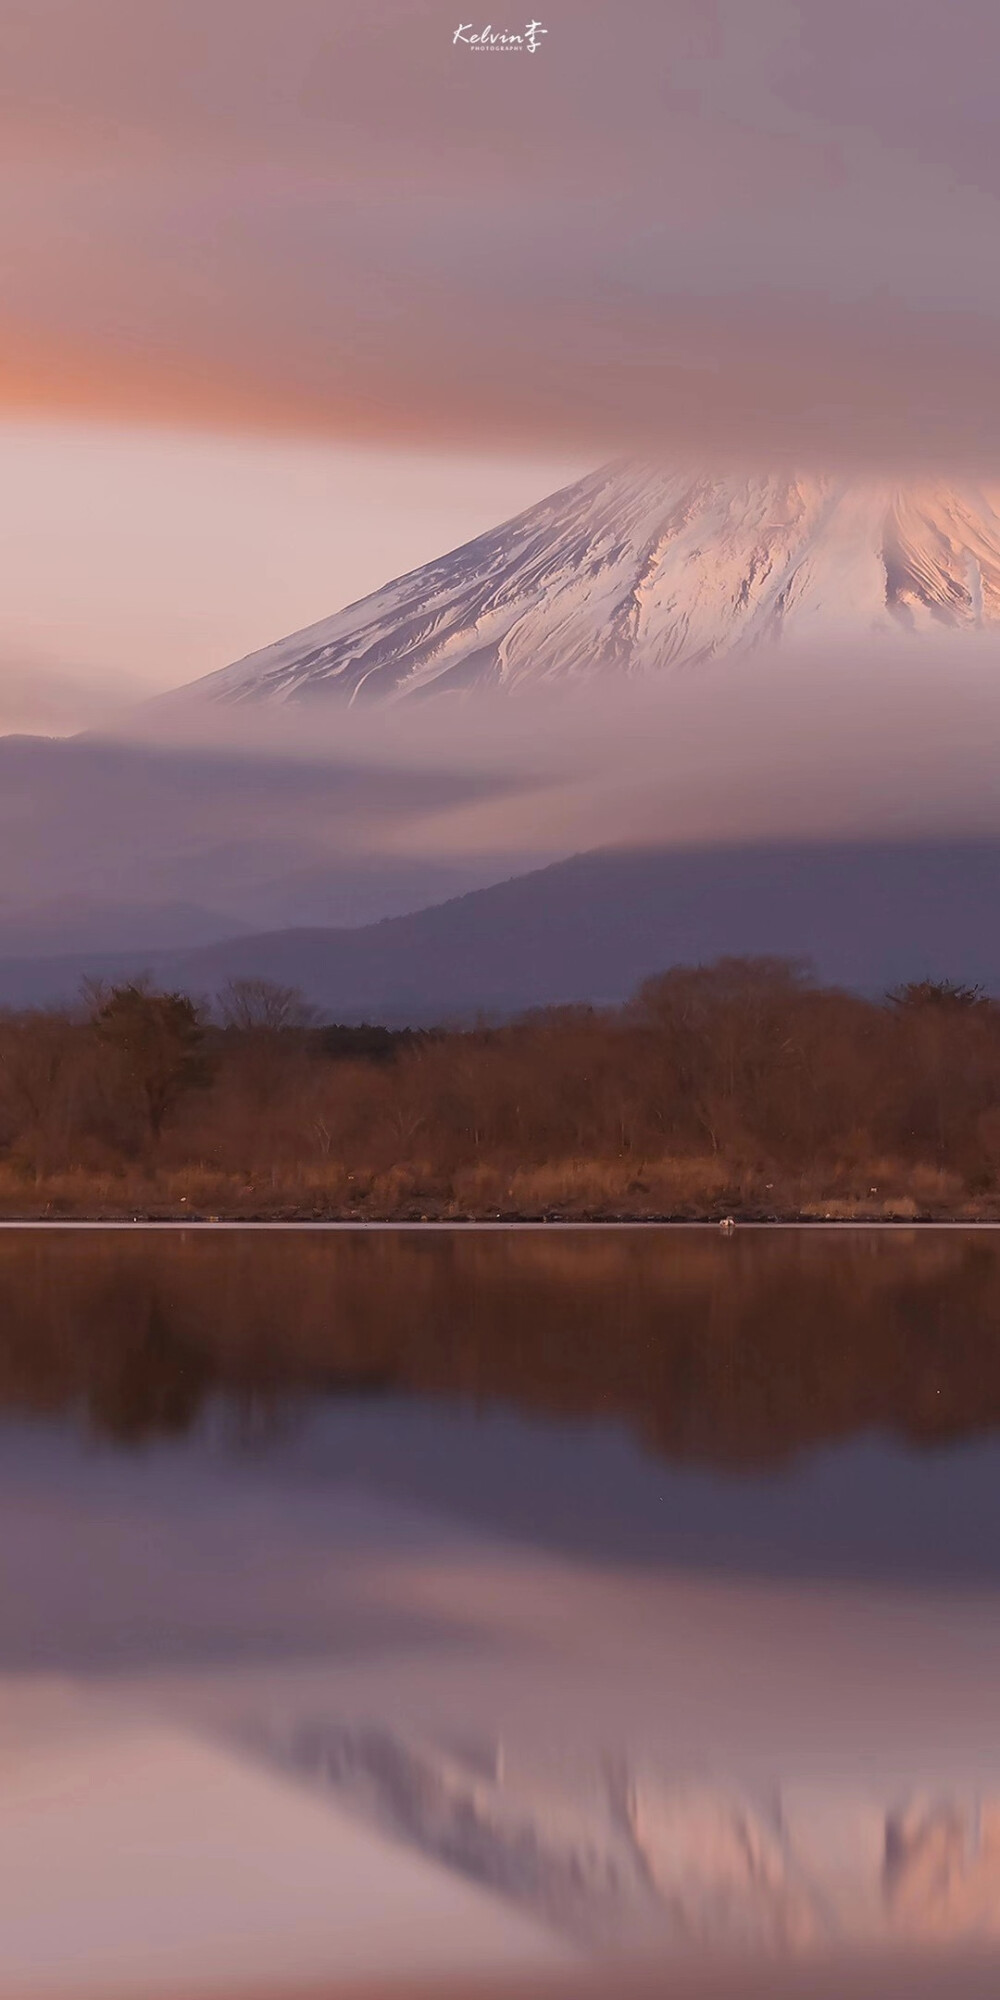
x=868 y=914
x=634 y=570
x=80 y=923
x=110 y=844
x=120 y=852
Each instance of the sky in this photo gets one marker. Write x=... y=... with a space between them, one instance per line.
x=296 y=295
x=138 y=556
x=767 y=222
x=300 y=294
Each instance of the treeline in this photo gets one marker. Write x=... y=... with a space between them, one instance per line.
x=740 y=1087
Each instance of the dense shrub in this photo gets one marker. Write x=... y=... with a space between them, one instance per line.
x=735 y=1085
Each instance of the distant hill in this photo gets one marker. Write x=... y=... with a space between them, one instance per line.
x=78 y=923
x=111 y=844
x=588 y=929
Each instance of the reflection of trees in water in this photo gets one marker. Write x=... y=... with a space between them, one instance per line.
x=731 y=1352
x=147 y=1378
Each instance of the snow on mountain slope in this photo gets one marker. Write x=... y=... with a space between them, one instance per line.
x=635 y=571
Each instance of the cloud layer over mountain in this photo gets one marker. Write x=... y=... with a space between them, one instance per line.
x=272 y=817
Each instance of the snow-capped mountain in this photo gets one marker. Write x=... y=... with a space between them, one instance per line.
x=636 y=571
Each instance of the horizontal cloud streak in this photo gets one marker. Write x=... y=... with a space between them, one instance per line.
x=890 y=740
x=679 y=223
x=328 y=815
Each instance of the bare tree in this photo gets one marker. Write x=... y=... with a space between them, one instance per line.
x=252 y=1005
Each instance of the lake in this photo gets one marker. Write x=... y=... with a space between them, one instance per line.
x=617 y=1543
x=789 y=1399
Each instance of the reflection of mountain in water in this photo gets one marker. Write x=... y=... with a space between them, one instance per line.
x=645 y=1858
x=723 y=1352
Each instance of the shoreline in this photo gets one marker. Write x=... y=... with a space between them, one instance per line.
x=428 y=1225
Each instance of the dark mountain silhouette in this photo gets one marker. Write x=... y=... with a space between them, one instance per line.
x=866 y=914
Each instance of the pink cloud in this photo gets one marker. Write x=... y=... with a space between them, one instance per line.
x=711 y=226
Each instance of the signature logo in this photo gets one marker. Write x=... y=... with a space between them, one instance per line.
x=499 y=40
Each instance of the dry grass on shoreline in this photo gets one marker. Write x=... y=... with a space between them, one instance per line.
x=574 y=1190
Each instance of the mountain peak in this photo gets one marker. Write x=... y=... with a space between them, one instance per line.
x=634 y=571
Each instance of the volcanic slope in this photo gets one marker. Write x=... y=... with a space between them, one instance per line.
x=634 y=571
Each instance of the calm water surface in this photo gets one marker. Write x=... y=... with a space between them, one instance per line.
x=576 y=1569
x=788 y=1404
